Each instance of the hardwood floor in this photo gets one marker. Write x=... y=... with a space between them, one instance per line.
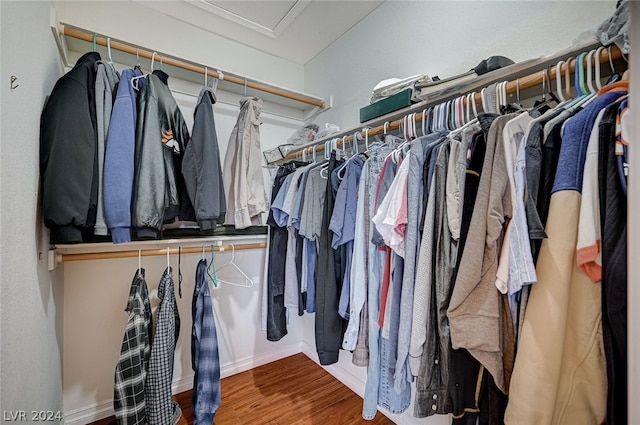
x=290 y=391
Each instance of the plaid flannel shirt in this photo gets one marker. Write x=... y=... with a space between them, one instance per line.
x=204 y=352
x=130 y=375
x=160 y=409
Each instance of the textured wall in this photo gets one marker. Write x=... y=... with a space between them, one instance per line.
x=31 y=298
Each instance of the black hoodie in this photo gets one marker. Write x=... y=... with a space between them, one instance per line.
x=68 y=154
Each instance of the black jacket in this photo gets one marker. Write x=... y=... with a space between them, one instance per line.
x=161 y=138
x=68 y=154
x=201 y=166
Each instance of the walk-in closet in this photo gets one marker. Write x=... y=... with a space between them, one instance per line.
x=296 y=212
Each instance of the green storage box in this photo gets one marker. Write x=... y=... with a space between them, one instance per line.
x=392 y=103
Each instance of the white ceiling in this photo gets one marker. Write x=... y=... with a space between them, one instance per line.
x=296 y=30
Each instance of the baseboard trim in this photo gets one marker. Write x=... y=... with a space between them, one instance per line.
x=341 y=374
x=96 y=411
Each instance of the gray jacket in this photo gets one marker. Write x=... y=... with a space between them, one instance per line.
x=161 y=137
x=244 y=186
x=106 y=82
x=201 y=165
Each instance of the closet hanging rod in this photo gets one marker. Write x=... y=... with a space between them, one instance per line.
x=62 y=258
x=532 y=80
x=189 y=66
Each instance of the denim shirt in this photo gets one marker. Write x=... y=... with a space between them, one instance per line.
x=343 y=223
x=371 y=288
x=416 y=158
x=359 y=273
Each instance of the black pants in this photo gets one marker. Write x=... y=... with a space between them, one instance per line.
x=276 y=313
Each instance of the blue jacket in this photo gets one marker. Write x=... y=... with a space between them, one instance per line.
x=118 y=162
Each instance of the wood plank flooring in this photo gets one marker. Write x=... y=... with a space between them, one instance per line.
x=290 y=391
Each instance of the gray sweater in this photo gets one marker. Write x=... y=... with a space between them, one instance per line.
x=475 y=311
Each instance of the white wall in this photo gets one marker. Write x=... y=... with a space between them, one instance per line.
x=94 y=321
x=404 y=38
x=132 y=21
x=444 y=38
x=31 y=301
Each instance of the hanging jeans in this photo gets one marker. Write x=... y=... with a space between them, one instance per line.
x=205 y=360
x=395 y=402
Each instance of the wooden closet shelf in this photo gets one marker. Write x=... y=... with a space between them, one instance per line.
x=107 y=250
x=390 y=122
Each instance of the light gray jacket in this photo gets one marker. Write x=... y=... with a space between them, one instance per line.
x=244 y=184
x=107 y=79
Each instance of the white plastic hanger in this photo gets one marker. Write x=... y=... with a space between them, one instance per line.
x=134 y=80
x=559 y=81
x=248 y=282
x=590 y=71
x=424 y=122
x=484 y=100
x=597 y=64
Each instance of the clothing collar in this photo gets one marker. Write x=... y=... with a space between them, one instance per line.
x=619 y=86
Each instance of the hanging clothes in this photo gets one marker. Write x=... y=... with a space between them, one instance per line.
x=131 y=371
x=68 y=159
x=201 y=167
x=329 y=328
x=276 y=312
x=613 y=222
x=161 y=138
x=205 y=360
x=244 y=185
x=107 y=79
x=161 y=410
x=564 y=303
x=119 y=160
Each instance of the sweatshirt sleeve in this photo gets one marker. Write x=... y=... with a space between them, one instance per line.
x=118 y=164
x=67 y=151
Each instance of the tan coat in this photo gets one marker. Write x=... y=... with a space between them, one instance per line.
x=559 y=375
x=243 y=177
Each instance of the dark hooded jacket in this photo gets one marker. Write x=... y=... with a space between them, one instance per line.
x=68 y=154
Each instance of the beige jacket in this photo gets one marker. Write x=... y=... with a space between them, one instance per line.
x=559 y=375
x=243 y=177
x=476 y=313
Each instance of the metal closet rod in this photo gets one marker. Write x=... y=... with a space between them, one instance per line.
x=156 y=252
x=526 y=82
x=134 y=50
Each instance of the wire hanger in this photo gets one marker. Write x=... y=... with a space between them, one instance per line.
x=168 y=260
x=138 y=66
x=139 y=261
x=211 y=270
x=248 y=283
